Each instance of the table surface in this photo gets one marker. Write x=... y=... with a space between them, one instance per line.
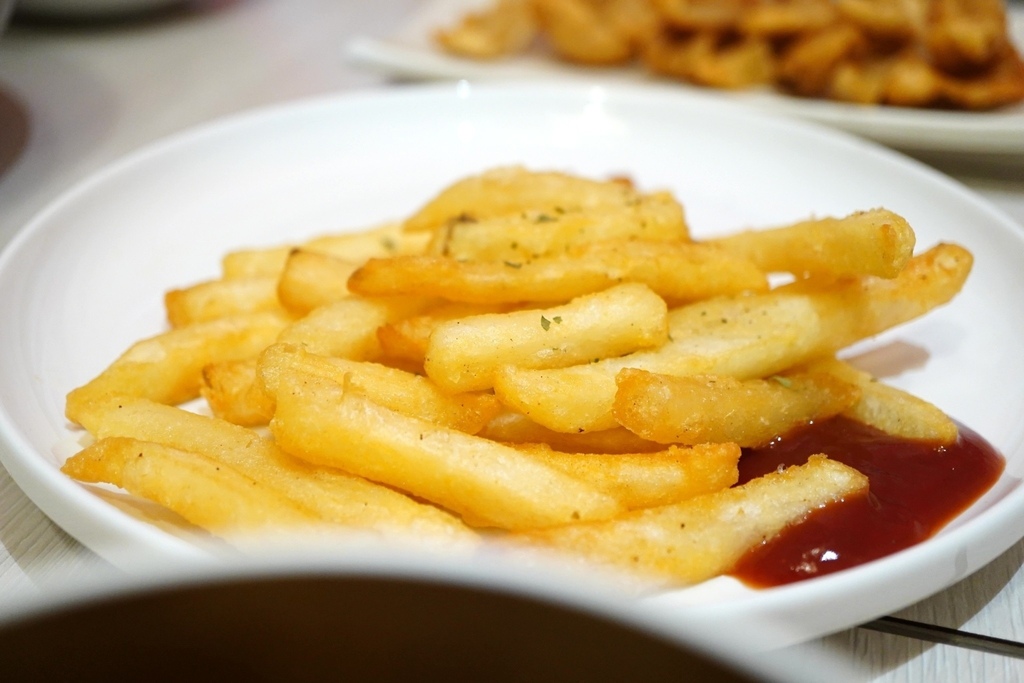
x=74 y=97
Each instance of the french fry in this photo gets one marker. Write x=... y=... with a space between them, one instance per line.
x=220 y=298
x=743 y=337
x=406 y=339
x=656 y=217
x=377 y=242
x=311 y=280
x=392 y=388
x=642 y=480
x=255 y=263
x=514 y=189
x=678 y=271
x=463 y=354
x=485 y=482
x=348 y=328
x=705 y=536
x=877 y=242
x=231 y=392
x=515 y=428
x=889 y=409
x=203 y=491
x=711 y=409
x=325 y=493
x=168 y=367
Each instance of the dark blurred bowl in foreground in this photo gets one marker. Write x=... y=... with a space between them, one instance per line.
x=363 y=621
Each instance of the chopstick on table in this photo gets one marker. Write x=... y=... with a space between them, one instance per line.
x=946 y=636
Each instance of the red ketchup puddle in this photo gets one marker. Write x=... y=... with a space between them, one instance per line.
x=915 y=489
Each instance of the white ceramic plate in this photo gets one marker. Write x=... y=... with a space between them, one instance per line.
x=86 y=277
x=410 y=53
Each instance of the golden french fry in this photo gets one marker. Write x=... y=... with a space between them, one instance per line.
x=643 y=480
x=230 y=389
x=858 y=308
x=877 y=242
x=220 y=298
x=168 y=367
x=743 y=337
x=656 y=217
x=487 y=483
x=348 y=328
x=329 y=494
x=889 y=409
x=311 y=280
x=697 y=539
x=377 y=242
x=255 y=263
x=547 y=280
x=463 y=354
x=514 y=189
x=678 y=271
x=203 y=491
x=406 y=339
x=401 y=391
x=712 y=409
x=515 y=428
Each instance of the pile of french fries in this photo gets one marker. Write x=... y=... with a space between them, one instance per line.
x=915 y=53
x=533 y=357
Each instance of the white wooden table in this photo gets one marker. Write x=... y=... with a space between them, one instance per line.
x=79 y=96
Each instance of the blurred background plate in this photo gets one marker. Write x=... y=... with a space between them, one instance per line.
x=410 y=53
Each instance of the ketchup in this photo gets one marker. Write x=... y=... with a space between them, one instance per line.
x=915 y=489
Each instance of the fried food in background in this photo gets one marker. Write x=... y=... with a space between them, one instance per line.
x=917 y=53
